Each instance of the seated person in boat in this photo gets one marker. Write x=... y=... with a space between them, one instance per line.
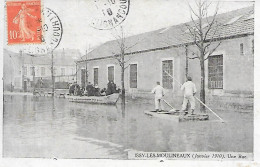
x=90 y=89
x=96 y=90
x=85 y=92
x=77 y=91
x=111 y=88
x=103 y=92
x=72 y=88
x=118 y=90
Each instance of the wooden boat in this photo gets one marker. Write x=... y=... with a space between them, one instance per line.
x=110 y=99
x=177 y=116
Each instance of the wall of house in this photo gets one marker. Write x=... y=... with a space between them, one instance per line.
x=69 y=70
x=238 y=70
x=149 y=69
x=11 y=71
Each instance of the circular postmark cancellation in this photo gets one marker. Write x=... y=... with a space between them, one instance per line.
x=51 y=34
x=109 y=13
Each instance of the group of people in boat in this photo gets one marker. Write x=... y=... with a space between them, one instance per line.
x=189 y=90
x=93 y=90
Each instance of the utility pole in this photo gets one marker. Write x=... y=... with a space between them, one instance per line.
x=52 y=74
x=76 y=72
x=187 y=61
x=33 y=73
x=22 y=71
x=86 y=72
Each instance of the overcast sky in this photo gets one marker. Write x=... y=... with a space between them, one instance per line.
x=144 y=15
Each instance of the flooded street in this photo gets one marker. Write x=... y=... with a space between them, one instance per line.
x=47 y=127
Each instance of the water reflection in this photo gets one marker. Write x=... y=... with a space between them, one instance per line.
x=45 y=126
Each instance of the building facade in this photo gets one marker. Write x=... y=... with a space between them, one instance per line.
x=29 y=70
x=229 y=70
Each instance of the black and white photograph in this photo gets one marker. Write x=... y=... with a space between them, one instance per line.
x=129 y=80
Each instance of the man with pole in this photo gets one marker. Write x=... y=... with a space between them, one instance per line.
x=189 y=89
x=198 y=99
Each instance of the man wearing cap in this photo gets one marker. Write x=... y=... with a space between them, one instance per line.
x=189 y=92
x=159 y=93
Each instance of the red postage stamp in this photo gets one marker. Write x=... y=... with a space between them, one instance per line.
x=24 y=21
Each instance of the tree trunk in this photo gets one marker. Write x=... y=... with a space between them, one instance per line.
x=123 y=80
x=202 y=86
x=52 y=74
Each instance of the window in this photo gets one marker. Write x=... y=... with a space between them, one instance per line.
x=215 y=76
x=95 y=76
x=32 y=71
x=110 y=74
x=167 y=81
x=42 y=71
x=241 y=49
x=72 y=71
x=24 y=70
x=62 y=71
x=133 y=75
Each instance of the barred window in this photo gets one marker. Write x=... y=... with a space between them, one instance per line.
x=31 y=71
x=24 y=70
x=167 y=80
x=54 y=71
x=95 y=76
x=215 y=74
x=110 y=75
x=62 y=71
x=42 y=71
x=133 y=75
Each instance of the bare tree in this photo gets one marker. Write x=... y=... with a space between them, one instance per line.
x=121 y=56
x=204 y=31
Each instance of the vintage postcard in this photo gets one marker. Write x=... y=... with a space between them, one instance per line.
x=130 y=80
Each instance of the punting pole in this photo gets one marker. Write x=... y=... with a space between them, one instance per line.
x=197 y=99
x=169 y=104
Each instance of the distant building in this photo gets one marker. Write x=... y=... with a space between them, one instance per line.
x=37 y=68
x=229 y=71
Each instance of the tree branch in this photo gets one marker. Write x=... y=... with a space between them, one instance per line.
x=212 y=51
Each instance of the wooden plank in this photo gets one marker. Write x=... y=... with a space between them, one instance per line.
x=177 y=116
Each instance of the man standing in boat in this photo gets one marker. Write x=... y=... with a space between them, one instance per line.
x=189 y=89
x=159 y=93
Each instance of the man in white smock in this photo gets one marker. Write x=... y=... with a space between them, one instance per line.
x=189 y=89
x=159 y=93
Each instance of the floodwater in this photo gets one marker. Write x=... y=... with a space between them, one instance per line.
x=53 y=127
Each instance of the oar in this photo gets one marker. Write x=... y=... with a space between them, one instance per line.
x=197 y=98
x=169 y=105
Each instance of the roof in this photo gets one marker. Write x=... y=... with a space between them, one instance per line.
x=178 y=34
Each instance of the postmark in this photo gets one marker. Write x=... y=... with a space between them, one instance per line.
x=109 y=13
x=51 y=34
x=24 y=21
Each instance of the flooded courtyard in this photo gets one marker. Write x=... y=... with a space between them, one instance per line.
x=54 y=127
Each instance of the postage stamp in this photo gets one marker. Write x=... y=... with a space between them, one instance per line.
x=51 y=34
x=109 y=13
x=24 y=21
